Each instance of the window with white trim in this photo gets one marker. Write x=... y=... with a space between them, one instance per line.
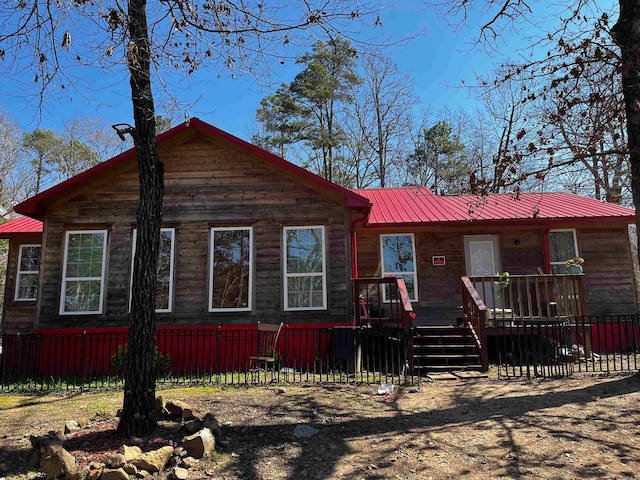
x=231 y=269
x=398 y=260
x=305 y=280
x=164 y=276
x=28 y=273
x=562 y=246
x=83 y=272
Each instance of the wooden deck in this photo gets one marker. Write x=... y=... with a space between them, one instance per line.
x=525 y=302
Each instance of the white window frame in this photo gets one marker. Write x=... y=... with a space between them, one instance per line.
x=19 y=273
x=249 y=306
x=396 y=274
x=66 y=279
x=575 y=246
x=171 y=267
x=288 y=275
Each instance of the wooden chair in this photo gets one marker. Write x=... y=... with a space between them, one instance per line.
x=267 y=354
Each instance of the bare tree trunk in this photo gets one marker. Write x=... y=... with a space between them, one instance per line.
x=626 y=34
x=139 y=392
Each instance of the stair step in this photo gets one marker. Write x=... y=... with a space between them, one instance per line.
x=447 y=368
x=447 y=345
x=445 y=355
x=444 y=349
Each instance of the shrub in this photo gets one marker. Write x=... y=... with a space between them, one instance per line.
x=118 y=359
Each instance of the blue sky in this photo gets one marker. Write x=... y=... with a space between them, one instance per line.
x=439 y=58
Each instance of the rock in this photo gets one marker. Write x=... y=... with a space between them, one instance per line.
x=178 y=409
x=212 y=424
x=114 y=474
x=96 y=465
x=178 y=452
x=304 y=431
x=282 y=390
x=227 y=424
x=130 y=468
x=130 y=452
x=83 y=422
x=80 y=473
x=40 y=443
x=192 y=427
x=94 y=473
x=188 y=462
x=71 y=426
x=115 y=461
x=159 y=408
x=57 y=434
x=414 y=390
x=199 y=444
x=34 y=459
x=179 y=473
x=153 y=461
x=56 y=461
x=173 y=462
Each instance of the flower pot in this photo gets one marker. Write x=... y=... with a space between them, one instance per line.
x=575 y=269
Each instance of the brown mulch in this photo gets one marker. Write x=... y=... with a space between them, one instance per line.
x=562 y=429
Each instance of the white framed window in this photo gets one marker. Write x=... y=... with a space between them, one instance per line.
x=231 y=269
x=305 y=279
x=563 y=245
x=399 y=260
x=28 y=273
x=83 y=272
x=164 y=276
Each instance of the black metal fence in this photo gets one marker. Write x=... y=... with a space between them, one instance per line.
x=561 y=348
x=214 y=355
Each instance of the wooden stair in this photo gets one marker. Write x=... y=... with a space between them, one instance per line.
x=444 y=349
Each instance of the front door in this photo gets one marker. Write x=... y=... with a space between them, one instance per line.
x=482 y=259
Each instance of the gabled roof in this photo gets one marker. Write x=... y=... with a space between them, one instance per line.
x=418 y=205
x=20 y=226
x=34 y=206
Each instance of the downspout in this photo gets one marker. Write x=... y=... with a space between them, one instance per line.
x=354 y=246
x=545 y=249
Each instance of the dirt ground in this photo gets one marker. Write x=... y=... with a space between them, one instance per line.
x=561 y=429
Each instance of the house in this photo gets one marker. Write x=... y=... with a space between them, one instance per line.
x=436 y=240
x=249 y=237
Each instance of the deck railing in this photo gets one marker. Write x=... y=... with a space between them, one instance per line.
x=382 y=301
x=529 y=298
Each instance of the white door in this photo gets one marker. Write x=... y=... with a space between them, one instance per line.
x=482 y=259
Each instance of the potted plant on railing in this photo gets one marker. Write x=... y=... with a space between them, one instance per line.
x=574 y=265
x=502 y=281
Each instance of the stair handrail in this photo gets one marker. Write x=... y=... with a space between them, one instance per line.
x=371 y=302
x=475 y=317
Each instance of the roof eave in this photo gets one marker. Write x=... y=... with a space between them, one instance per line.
x=512 y=221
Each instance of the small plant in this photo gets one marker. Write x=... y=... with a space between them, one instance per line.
x=119 y=359
x=574 y=261
x=502 y=280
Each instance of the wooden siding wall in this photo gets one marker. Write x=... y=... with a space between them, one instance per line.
x=207 y=183
x=17 y=316
x=608 y=269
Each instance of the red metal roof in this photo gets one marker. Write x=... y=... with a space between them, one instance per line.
x=34 y=207
x=414 y=205
x=20 y=226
